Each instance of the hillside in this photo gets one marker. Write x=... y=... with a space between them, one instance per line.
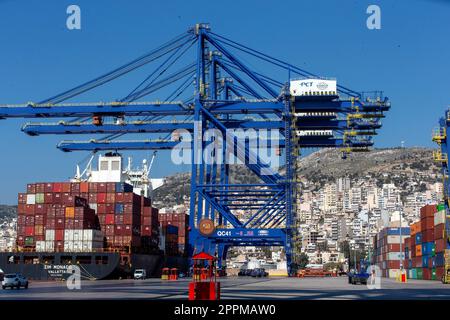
x=394 y=165
x=7 y=212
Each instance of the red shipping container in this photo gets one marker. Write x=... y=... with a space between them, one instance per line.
x=428 y=235
x=101 y=208
x=439 y=231
x=65 y=187
x=102 y=219
x=48 y=187
x=428 y=211
x=57 y=198
x=29 y=220
x=111 y=187
x=93 y=187
x=40 y=209
x=75 y=187
x=21 y=220
x=39 y=238
x=101 y=188
x=128 y=208
x=59 y=235
x=40 y=187
x=110 y=208
x=31 y=188
x=146 y=231
x=57 y=187
x=109 y=219
x=440 y=245
x=101 y=197
x=427 y=223
x=20 y=209
x=29 y=231
x=128 y=197
x=127 y=218
x=92 y=198
x=118 y=219
x=110 y=198
x=22 y=198
x=426 y=274
x=60 y=223
x=84 y=187
x=39 y=219
x=21 y=230
x=118 y=230
x=48 y=198
x=109 y=230
x=29 y=209
x=84 y=195
x=128 y=230
x=393 y=264
x=69 y=224
x=50 y=224
x=119 y=197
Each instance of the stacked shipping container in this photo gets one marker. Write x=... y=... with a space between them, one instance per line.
x=63 y=213
x=180 y=220
x=427 y=246
x=387 y=253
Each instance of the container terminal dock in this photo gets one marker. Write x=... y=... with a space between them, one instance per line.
x=103 y=220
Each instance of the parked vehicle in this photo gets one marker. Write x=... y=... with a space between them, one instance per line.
x=259 y=272
x=14 y=280
x=140 y=274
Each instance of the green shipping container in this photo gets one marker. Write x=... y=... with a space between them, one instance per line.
x=412 y=273
x=433 y=274
x=440 y=207
x=419 y=273
x=433 y=249
x=29 y=241
x=39 y=198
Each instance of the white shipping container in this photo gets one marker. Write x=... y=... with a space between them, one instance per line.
x=40 y=246
x=77 y=246
x=395 y=256
x=68 y=246
x=50 y=246
x=68 y=235
x=77 y=235
x=31 y=199
x=439 y=217
x=313 y=87
x=395 y=239
x=50 y=235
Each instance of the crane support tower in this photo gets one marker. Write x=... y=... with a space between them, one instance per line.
x=231 y=111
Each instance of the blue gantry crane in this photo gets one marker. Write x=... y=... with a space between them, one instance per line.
x=230 y=109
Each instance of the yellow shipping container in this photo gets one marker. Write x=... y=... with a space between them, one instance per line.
x=70 y=212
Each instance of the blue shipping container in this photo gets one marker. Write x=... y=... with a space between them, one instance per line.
x=439 y=259
x=427 y=248
x=171 y=229
x=123 y=187
x=425 y=262
x=418 y=238
x=118 y=208
x=396 y=231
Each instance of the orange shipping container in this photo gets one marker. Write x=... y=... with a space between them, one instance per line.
x=70 y=212
x=84 y=187
x=418 y=250
x=416 y=227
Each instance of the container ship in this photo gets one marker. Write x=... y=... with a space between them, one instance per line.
x=102 y=221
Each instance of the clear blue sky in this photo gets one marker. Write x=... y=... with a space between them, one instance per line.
x=408 y=59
